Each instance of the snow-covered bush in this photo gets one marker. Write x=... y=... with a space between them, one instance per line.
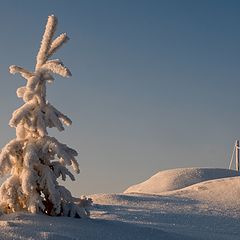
x=33 y=160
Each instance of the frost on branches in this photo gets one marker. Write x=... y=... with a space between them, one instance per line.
x=33 y=159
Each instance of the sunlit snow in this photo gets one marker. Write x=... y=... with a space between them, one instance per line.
x=208 y=209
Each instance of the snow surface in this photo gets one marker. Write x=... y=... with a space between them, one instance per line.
x=206 y=210
x=174 y=179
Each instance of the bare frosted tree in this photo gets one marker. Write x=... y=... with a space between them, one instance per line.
x=33 y=159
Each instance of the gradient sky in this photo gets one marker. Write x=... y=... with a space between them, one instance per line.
x=155 y=85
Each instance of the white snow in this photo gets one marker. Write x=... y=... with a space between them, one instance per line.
x=206 y=210
x=174 y=179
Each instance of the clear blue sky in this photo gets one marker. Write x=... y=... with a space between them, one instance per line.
x=156 y=84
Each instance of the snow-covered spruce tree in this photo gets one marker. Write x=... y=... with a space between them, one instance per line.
x=34 y=160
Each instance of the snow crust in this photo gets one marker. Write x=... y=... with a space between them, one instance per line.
x=174 y=179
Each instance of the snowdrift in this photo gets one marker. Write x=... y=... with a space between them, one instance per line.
x=175 y=179
x=216 y=194
x=205 y=211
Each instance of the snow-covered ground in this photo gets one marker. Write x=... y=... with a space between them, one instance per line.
x=198 y=204
x=174 y=179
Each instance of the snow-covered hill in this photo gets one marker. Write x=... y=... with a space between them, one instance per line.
x=179 y=178
x=220 y=195
x=202 y=211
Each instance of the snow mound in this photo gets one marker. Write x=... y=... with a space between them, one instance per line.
x=175 y=179
x=204 y=211
x=215 y=194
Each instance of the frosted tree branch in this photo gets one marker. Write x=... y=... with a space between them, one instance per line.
x=25 y=73
x=46 y=41
x=57 y=43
